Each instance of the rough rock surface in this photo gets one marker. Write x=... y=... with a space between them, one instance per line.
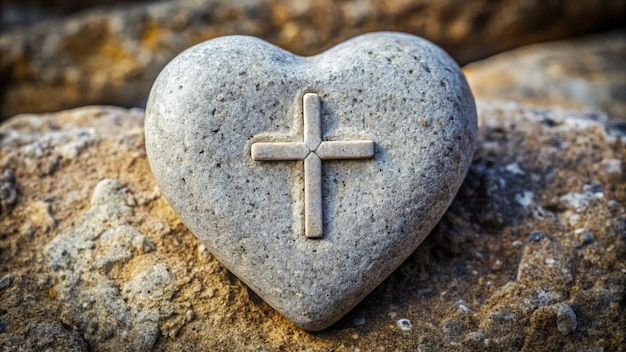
x=584 y=72
x=111 y=56
x=531 y=255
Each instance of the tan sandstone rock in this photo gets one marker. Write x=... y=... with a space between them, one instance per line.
x=112 y=55
x=583 y=72
x=531 y=255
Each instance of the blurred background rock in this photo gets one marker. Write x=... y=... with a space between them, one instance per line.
x=66 y=53
x=574 y=73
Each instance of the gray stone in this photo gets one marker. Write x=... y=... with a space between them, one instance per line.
x=5 y=281
x=8 y=190
x=212 y=104
x=565 y=318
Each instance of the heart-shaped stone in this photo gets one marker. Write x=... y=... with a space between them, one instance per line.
x=311 y=179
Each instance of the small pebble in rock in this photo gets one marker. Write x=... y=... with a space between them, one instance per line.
x=550 y=261
x=514 y=169
x=576 y=201
x=142 y=244
x=202 y=251
x=565 y=318
x=358 y=321
x=584 y=236
x=462 y=306
x=189 y=315
x=5 y=281
x=613 y=166
x=573 y=219
x=536 y=236
x=525 y=198
x=8 y=190
x=404 y=324
x=497 y=265
x=595 y=189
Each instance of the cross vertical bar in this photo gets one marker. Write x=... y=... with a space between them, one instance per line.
x=312 y=124
x=313 y=214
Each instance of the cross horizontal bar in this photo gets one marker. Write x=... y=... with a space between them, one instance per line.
x=345 y=150
x=279 y=151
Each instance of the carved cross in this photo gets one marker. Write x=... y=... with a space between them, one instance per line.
x=312 y=150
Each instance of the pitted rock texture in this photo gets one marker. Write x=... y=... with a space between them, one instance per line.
x=537 y=227
x=579 y=73
x=101 y=240
x=397 y=90
x=111 y=55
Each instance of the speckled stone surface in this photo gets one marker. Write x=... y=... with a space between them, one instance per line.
x=215 y=100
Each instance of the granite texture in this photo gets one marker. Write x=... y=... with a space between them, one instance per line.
x=111 y=55
x=585 y=72
x=217 y=99
x=538 y=225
